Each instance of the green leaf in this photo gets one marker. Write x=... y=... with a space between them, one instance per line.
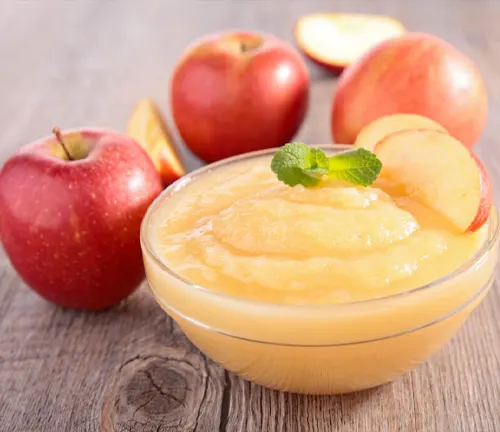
x=359 y=167
x=296 y=163
x=319 y=160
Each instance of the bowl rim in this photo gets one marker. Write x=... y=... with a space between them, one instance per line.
x=490 y=241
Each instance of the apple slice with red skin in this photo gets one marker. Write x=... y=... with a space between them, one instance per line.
x=149 y=129
x=438 y=171
x=384 y=126
x=484 y=210
x=336 y=40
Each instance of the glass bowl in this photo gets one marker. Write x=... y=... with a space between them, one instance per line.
x=325 y=349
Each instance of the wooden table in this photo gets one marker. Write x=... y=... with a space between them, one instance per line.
x=86 y=62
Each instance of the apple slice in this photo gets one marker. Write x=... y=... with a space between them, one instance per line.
x=147 y=126
x=438 y=171
x=484 y=210
x=378 y=129
x=336 y=40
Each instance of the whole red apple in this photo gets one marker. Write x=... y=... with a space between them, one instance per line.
x=413 y=74
x=71 y=207
x=234 y=93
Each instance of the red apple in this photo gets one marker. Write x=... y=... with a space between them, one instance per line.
x=413 y=74
x=336 y=40
x=438 y=171
x=234 y=93
x=71 y=207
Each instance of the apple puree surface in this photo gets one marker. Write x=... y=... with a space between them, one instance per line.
x=242 y=232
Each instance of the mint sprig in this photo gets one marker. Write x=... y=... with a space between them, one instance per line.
x=297 y=163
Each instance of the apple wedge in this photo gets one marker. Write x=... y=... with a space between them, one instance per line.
x=384 y=126
x=336 y=40
x=147 y=126
x=484 y=210
x=438 y=171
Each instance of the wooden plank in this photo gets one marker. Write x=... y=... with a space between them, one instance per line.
x=460 y=389
x=131 y=368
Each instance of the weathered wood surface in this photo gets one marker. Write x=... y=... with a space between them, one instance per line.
x=85 y=62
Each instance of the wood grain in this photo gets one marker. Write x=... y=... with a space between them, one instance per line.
x=75 y=63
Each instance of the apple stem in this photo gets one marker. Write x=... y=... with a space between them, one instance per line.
x=246 y=46
x=57 y=132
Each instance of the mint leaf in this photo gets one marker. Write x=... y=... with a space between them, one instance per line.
x=296 y=163
x=319 y=160
x=359 y=167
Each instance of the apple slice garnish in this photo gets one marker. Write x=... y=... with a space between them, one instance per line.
x=147 y=126
x=438 y=171
x=384 y=126
x=336 y=40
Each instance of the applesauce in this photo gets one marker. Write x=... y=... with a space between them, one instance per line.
x=315 y=290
